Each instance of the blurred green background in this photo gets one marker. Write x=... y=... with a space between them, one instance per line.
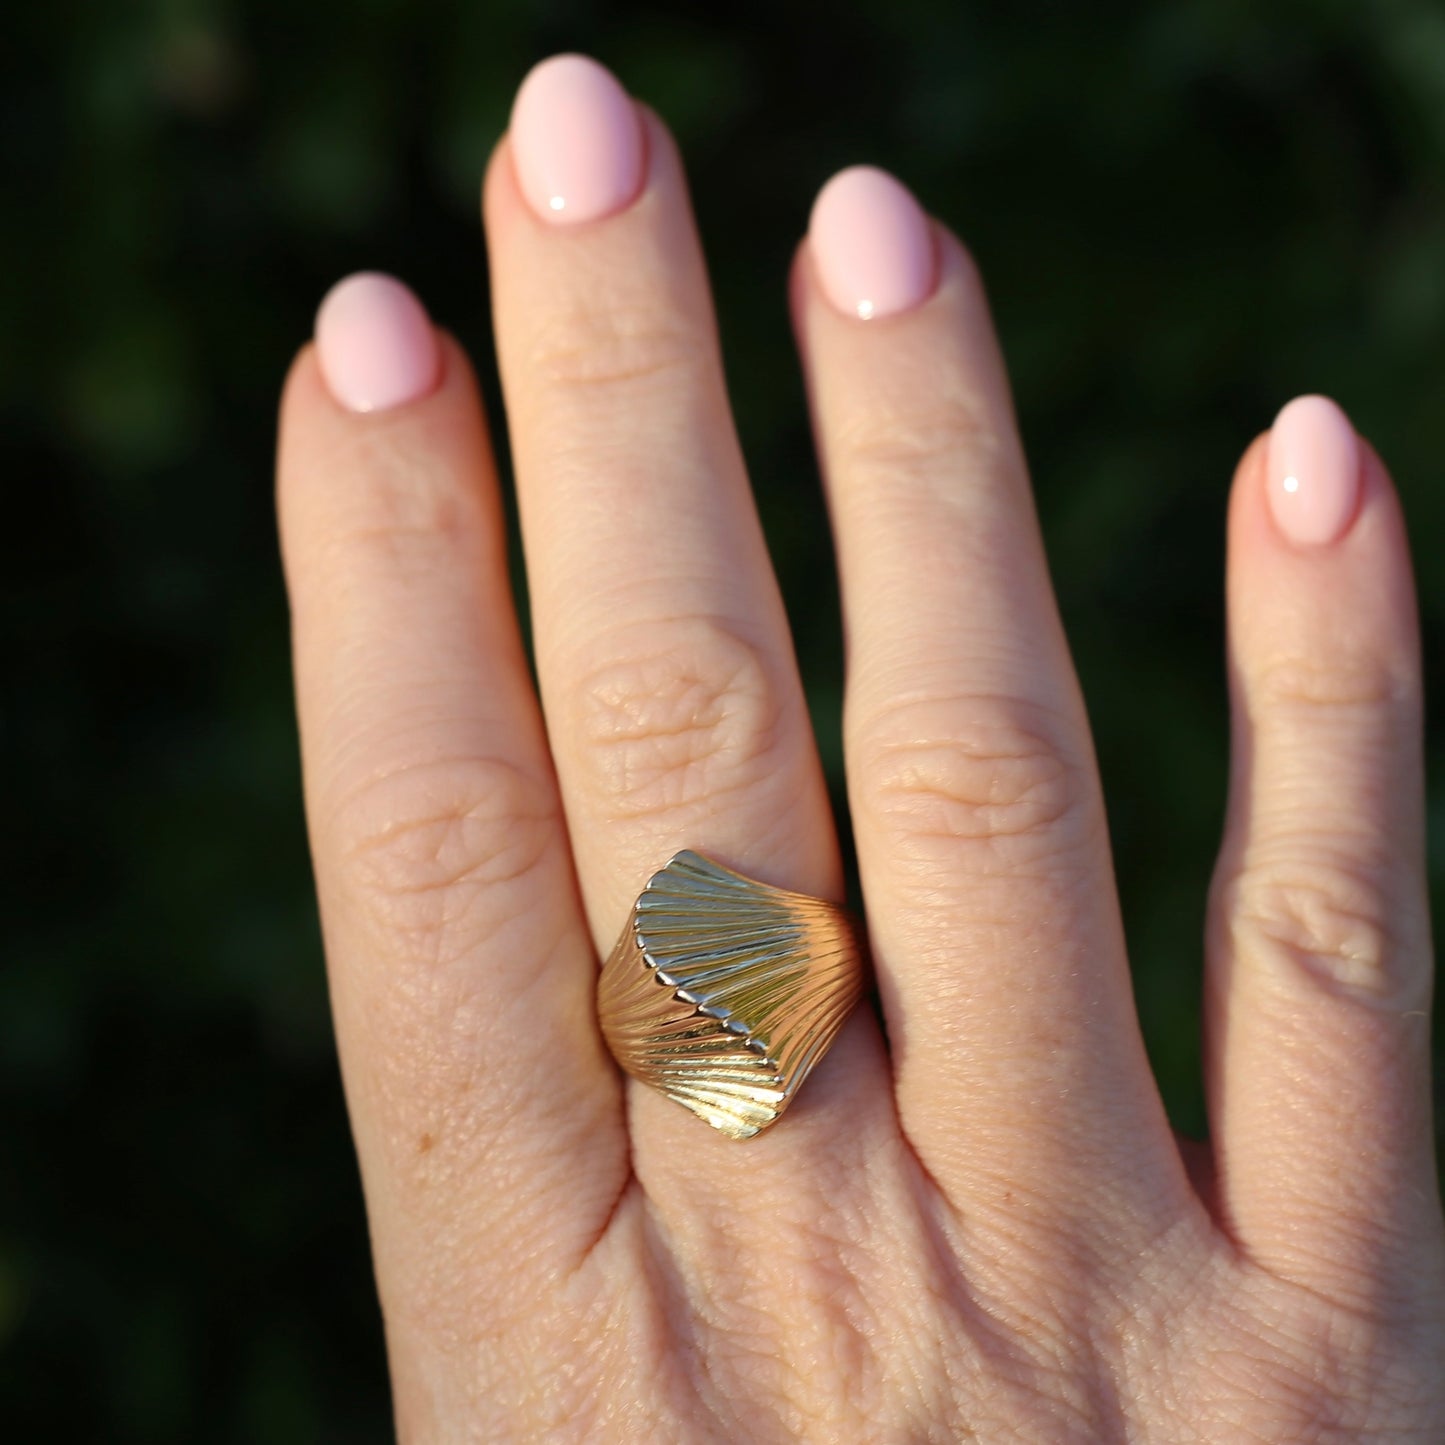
x=1187 y=213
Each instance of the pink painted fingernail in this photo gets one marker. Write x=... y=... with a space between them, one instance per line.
x=1314 y=472
x=872 y=244
x=576 y=140
x=376 y=344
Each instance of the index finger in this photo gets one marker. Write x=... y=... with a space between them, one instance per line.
x=487 y=1120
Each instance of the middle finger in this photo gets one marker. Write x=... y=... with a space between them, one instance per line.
x=673 y=702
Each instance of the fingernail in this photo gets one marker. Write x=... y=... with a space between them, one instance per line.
x=872 y=244
x=1314 y=472
x=576 y=140
x=375 y=343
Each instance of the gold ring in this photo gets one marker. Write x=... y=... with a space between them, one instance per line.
x=723 y=993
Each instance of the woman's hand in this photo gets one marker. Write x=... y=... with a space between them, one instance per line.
x=981 y=1228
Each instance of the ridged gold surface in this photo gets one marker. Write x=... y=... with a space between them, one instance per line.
x=723 y=992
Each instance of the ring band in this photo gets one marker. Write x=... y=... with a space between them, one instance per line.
x=723 y=992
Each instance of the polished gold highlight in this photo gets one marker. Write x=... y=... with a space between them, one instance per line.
x=724 y=992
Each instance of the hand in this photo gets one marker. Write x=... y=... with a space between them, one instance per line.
x=981 y=1227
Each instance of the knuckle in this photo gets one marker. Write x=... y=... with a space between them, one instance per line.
x=906 y=437
x=585 y=348
x=988 y=776
x=1327 y=913
x=695 y=716
x=406 y=499
x=431 y=853
x=1353 y=679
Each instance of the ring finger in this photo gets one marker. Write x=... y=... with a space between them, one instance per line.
x=981 y=835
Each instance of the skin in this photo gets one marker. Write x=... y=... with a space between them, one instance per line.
x=984 y=1227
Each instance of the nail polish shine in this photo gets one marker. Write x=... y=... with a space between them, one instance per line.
x=1314 y=472
x=576 y=141
x=871 y=244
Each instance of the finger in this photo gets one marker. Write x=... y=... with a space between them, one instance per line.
x=487 y=1121
x=673 y=703
x=1319 y=957
x=981 y=835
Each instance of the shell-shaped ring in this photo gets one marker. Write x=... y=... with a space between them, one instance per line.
x=723 y=993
